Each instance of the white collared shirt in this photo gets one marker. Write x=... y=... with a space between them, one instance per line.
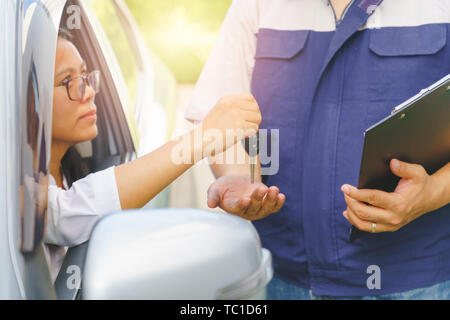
x=73 y=212
x=229 y=68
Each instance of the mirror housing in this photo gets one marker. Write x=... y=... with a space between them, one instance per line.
x=175 y=254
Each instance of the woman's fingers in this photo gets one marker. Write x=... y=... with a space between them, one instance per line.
x=251 y=116
x=245 y=96
x=248 y=106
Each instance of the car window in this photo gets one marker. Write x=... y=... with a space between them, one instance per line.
x=117 y=37
x=114 y=143
x=36 y=105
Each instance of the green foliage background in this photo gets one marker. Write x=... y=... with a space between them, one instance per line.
x=181 y=32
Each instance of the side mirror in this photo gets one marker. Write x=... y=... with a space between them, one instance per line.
x=175 y=254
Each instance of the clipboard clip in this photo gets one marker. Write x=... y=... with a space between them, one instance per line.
x=412 y=99
x=421 y=94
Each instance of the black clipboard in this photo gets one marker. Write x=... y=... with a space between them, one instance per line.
x=417 y=131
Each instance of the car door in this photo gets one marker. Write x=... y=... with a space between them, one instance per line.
x=11 y=270
x=26 y=139
x=28 y=55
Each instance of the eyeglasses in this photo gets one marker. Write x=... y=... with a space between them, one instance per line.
x=76 y=87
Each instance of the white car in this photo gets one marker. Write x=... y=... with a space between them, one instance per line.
x=145 y=254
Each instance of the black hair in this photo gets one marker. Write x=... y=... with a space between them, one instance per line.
x=73 y=166
x=65 y=34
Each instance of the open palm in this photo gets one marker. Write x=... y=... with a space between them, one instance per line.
x=237 y=195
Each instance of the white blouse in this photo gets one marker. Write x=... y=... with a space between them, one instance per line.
x=72 y=213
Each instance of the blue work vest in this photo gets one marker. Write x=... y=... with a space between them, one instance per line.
x=322 y=90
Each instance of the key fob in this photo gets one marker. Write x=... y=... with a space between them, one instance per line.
x=251 y=145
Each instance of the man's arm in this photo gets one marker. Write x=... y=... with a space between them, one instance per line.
x=228 y=70
x=442 y=182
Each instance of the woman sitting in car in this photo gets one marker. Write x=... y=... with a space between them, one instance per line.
x=76 y=200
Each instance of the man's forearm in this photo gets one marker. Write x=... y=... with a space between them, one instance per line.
x=442 y=182
x=226 y=164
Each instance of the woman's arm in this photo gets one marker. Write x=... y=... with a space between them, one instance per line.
x=140 y=180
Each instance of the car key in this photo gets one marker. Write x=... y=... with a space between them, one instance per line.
x=251 y=146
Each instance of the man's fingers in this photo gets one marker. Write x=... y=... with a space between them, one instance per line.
x=355 y=220
x=280 y=202
x=270 y=201
x=366 y=212
x=256 y=200
x=243 y=204
x=363 y=224
x=213 y=197
x=237 y=206
x=377 y=198
x=407 y=170
x=259 y=193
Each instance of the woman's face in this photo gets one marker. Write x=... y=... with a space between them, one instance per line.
x=73 y=121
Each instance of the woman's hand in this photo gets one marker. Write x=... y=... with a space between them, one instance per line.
x=416 y=194
x=233 y=118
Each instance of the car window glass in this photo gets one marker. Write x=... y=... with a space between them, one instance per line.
x=36 y=106
x=110 y=22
